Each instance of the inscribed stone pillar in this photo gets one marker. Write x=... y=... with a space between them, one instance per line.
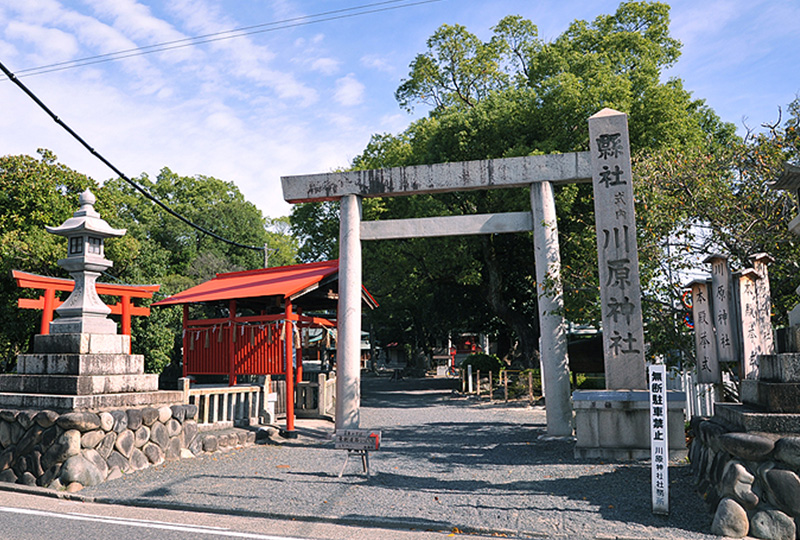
x=764 y=301
x=553 y=341
x=348 y=346
x=705 y=344
x=721 y=308
x=617 y=255
x=752 y=340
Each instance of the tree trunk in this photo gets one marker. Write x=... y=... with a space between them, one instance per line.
x=526 y=328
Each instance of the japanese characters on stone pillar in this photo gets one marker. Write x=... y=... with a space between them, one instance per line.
x=752 y=340
x=618 y=259
x=764 y=301
x=705 y=344
x=721 y=305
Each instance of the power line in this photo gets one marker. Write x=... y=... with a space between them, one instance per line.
x=325 y=16
x=110 y=165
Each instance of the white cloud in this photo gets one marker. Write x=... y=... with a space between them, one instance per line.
x=326 y=66
x=349 y=91
x=377 y=62
x=135 y=20
x=51 y=44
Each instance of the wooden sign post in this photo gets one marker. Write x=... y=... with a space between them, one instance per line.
x=659 y=444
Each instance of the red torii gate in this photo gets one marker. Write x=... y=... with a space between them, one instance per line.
x=48 y=303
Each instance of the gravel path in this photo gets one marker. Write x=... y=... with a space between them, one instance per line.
x=446 y=463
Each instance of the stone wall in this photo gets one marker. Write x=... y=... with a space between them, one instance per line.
x=750 y=480
x=78 y=449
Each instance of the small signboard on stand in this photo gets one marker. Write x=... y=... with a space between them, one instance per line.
x=358 y=441
x=659 y=445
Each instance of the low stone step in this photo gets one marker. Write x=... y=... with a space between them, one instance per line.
x=82 y=343
x=772 y=396
x=80 y=364
x=78 y=384
x=742 y=417
x=101 y=402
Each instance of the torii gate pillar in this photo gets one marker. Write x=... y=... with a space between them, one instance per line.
x=348 y=343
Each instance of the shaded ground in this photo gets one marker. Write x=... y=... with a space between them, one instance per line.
x=446 y=462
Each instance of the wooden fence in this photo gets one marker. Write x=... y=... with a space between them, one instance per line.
x=220 y=406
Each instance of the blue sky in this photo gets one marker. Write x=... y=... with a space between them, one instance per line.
x=305 y=98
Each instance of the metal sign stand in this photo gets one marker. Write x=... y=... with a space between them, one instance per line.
x=364 y=460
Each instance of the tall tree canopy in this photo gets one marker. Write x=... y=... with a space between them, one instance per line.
x=510 y=96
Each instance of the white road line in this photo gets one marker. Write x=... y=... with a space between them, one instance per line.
x=218 y=531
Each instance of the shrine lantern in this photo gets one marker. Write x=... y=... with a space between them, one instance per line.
x=83 y=312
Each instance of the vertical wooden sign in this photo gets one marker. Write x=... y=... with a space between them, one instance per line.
x=721 y=306
x=704 y=341
x=659 y=443
x=617 y=255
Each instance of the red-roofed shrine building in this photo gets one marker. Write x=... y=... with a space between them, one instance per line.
x=260 y=316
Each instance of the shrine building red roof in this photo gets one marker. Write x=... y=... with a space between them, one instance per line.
x=283 y=281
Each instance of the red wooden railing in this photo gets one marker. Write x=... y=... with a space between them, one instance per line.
x=257 y=343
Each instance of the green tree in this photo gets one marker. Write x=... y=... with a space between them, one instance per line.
x=33 y=193
x=517 y=95
x=722 y=202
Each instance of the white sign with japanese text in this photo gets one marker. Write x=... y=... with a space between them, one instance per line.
x=659 y=445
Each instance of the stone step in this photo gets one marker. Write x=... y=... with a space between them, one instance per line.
x=60 y=403
x=742 y=417
x=78 y=384
x=772 y=396
x=80 y=364
x=82 y=343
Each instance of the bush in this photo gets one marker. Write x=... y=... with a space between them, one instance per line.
x=483 y=362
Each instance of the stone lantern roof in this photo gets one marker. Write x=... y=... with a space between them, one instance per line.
x=86 y=220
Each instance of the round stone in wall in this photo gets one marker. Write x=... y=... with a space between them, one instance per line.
x=134 y=419
x=91 y=439
x=772 y=524
x=746 y=445
x=164 y=414
x=106 y=421
x=141 y=436
x=785 y=490
x=787 y=450
x=730 y=520
x=82 y=421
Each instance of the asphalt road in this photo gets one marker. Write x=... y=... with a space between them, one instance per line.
x=448 y=465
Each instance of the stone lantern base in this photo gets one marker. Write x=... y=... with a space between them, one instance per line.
x=70 y=372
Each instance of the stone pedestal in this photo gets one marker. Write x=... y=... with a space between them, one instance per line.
x=770 y=404
x=615 y=424
x=72 y=372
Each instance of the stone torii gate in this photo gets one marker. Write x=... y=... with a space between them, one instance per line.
x=623 y=340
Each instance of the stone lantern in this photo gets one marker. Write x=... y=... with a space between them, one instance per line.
x=83 y=312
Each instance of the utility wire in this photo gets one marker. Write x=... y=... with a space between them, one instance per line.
x=110 y=165
x=325 y=16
